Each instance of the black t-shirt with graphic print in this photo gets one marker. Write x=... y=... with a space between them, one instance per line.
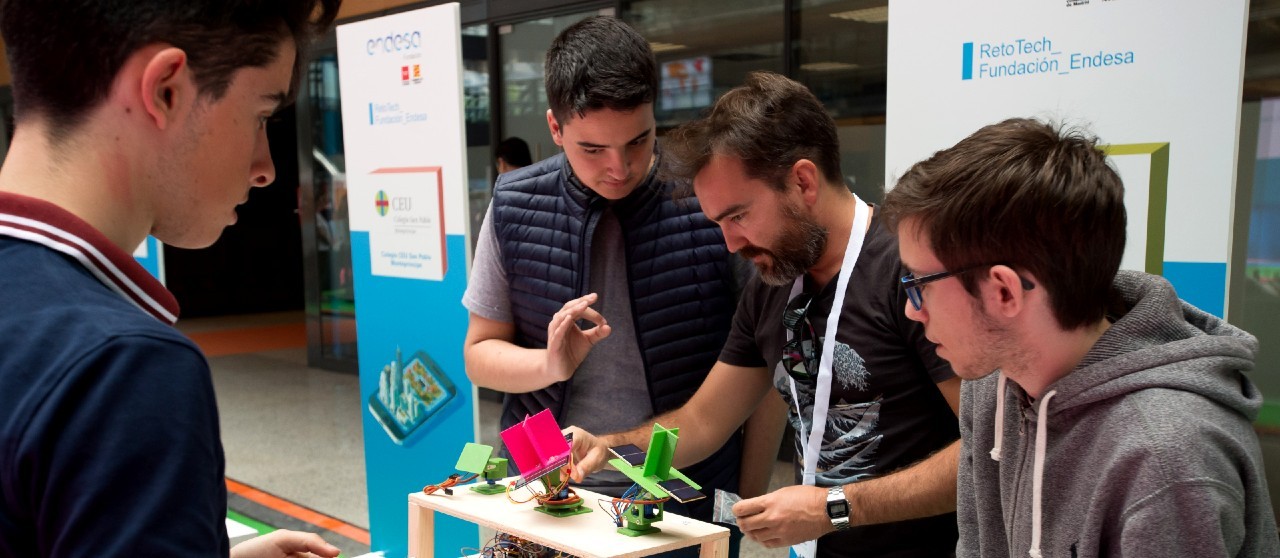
x=885 y=411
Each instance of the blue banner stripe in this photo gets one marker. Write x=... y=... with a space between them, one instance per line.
x=397 y=316
x=1203 y=284
x=967 y=65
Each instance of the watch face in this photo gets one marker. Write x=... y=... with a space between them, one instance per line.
x=838 y=509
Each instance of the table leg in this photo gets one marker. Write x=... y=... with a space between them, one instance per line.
x=718 y=548
x=422 y=532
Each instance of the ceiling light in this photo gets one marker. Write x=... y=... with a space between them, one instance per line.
x=827 y=66
x=879 y=14
x=665 y=47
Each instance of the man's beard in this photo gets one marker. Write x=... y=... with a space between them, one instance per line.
x=797 y=249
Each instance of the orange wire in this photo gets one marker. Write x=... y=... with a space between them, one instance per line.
x=453 y=480
x=565 y=475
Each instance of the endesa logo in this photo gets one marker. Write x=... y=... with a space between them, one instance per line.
x=394 y=42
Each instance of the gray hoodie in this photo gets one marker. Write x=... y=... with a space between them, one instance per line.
x=1145 y=449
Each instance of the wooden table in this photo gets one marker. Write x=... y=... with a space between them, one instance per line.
x=588 y=535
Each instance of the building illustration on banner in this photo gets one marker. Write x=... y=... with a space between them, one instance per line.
x=409 y=393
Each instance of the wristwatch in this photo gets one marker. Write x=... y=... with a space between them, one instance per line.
x=837 y=508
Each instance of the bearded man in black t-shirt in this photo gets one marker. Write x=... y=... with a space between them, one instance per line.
x=876 y=470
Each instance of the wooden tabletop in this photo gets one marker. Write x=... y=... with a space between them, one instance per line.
x=588 y=535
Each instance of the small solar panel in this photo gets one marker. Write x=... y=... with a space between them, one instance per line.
x=630 y=453
x=681 y=490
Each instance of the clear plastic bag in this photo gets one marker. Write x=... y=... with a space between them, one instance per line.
x=722 y=511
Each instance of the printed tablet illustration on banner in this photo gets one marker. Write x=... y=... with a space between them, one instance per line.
x=406 y=236
x=409 y=393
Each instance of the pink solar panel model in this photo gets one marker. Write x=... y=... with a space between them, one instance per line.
x=537 y=447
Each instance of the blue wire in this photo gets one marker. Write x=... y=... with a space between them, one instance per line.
x=627 y=497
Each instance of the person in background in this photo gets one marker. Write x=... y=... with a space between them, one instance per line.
x=872 y=405
x=1101 y=415
x=132 y=118
x=593 y=292
x=512 y=153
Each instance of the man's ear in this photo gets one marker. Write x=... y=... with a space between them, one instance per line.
x=554 y=126
x=804 y=175
x=1003 y=291
x=168 y=88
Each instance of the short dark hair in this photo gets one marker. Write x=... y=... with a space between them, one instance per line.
x=769 y=122
x=1034 y=196
x=515 y=152
x=65 y=54
x=599 y=63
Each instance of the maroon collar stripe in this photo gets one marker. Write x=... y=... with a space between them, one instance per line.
x=45 y=224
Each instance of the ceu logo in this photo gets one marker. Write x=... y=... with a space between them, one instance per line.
x=394 y=42
x=381 y=203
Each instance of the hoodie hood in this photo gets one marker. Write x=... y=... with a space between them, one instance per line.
x=1161 y=341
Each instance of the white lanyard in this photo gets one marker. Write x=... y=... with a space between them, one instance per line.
x=822 y=398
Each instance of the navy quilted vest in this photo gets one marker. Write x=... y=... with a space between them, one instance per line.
x=682 y=285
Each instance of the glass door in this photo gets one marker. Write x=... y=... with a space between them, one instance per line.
x=478 y=117
x=523 y=47
x=326 y=234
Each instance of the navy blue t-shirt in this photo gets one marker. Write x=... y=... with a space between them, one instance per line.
x=109 y=441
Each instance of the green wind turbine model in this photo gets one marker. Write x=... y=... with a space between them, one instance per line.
x=655 y=479
x=478 y=459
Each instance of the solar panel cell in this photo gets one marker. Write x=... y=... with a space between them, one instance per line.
x=630 y=453
x=681 y=490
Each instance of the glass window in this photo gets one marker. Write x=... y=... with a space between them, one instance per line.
x=1254 y=303
x=524 y=97
x=841 y=54
x=706 y=48
x=476 y=114
x=840 y=50
x=331 y=296
x=1255 y=294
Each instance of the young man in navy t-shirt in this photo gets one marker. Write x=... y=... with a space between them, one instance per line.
x=132 y=118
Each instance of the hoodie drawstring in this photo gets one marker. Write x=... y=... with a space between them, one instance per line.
x=999 y=433
x=1042 y=427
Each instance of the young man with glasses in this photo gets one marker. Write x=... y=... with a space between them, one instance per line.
x=1117 y=421
x=872 y=405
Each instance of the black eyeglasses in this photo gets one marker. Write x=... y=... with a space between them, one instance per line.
x=800 y=355
x=912 y=283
